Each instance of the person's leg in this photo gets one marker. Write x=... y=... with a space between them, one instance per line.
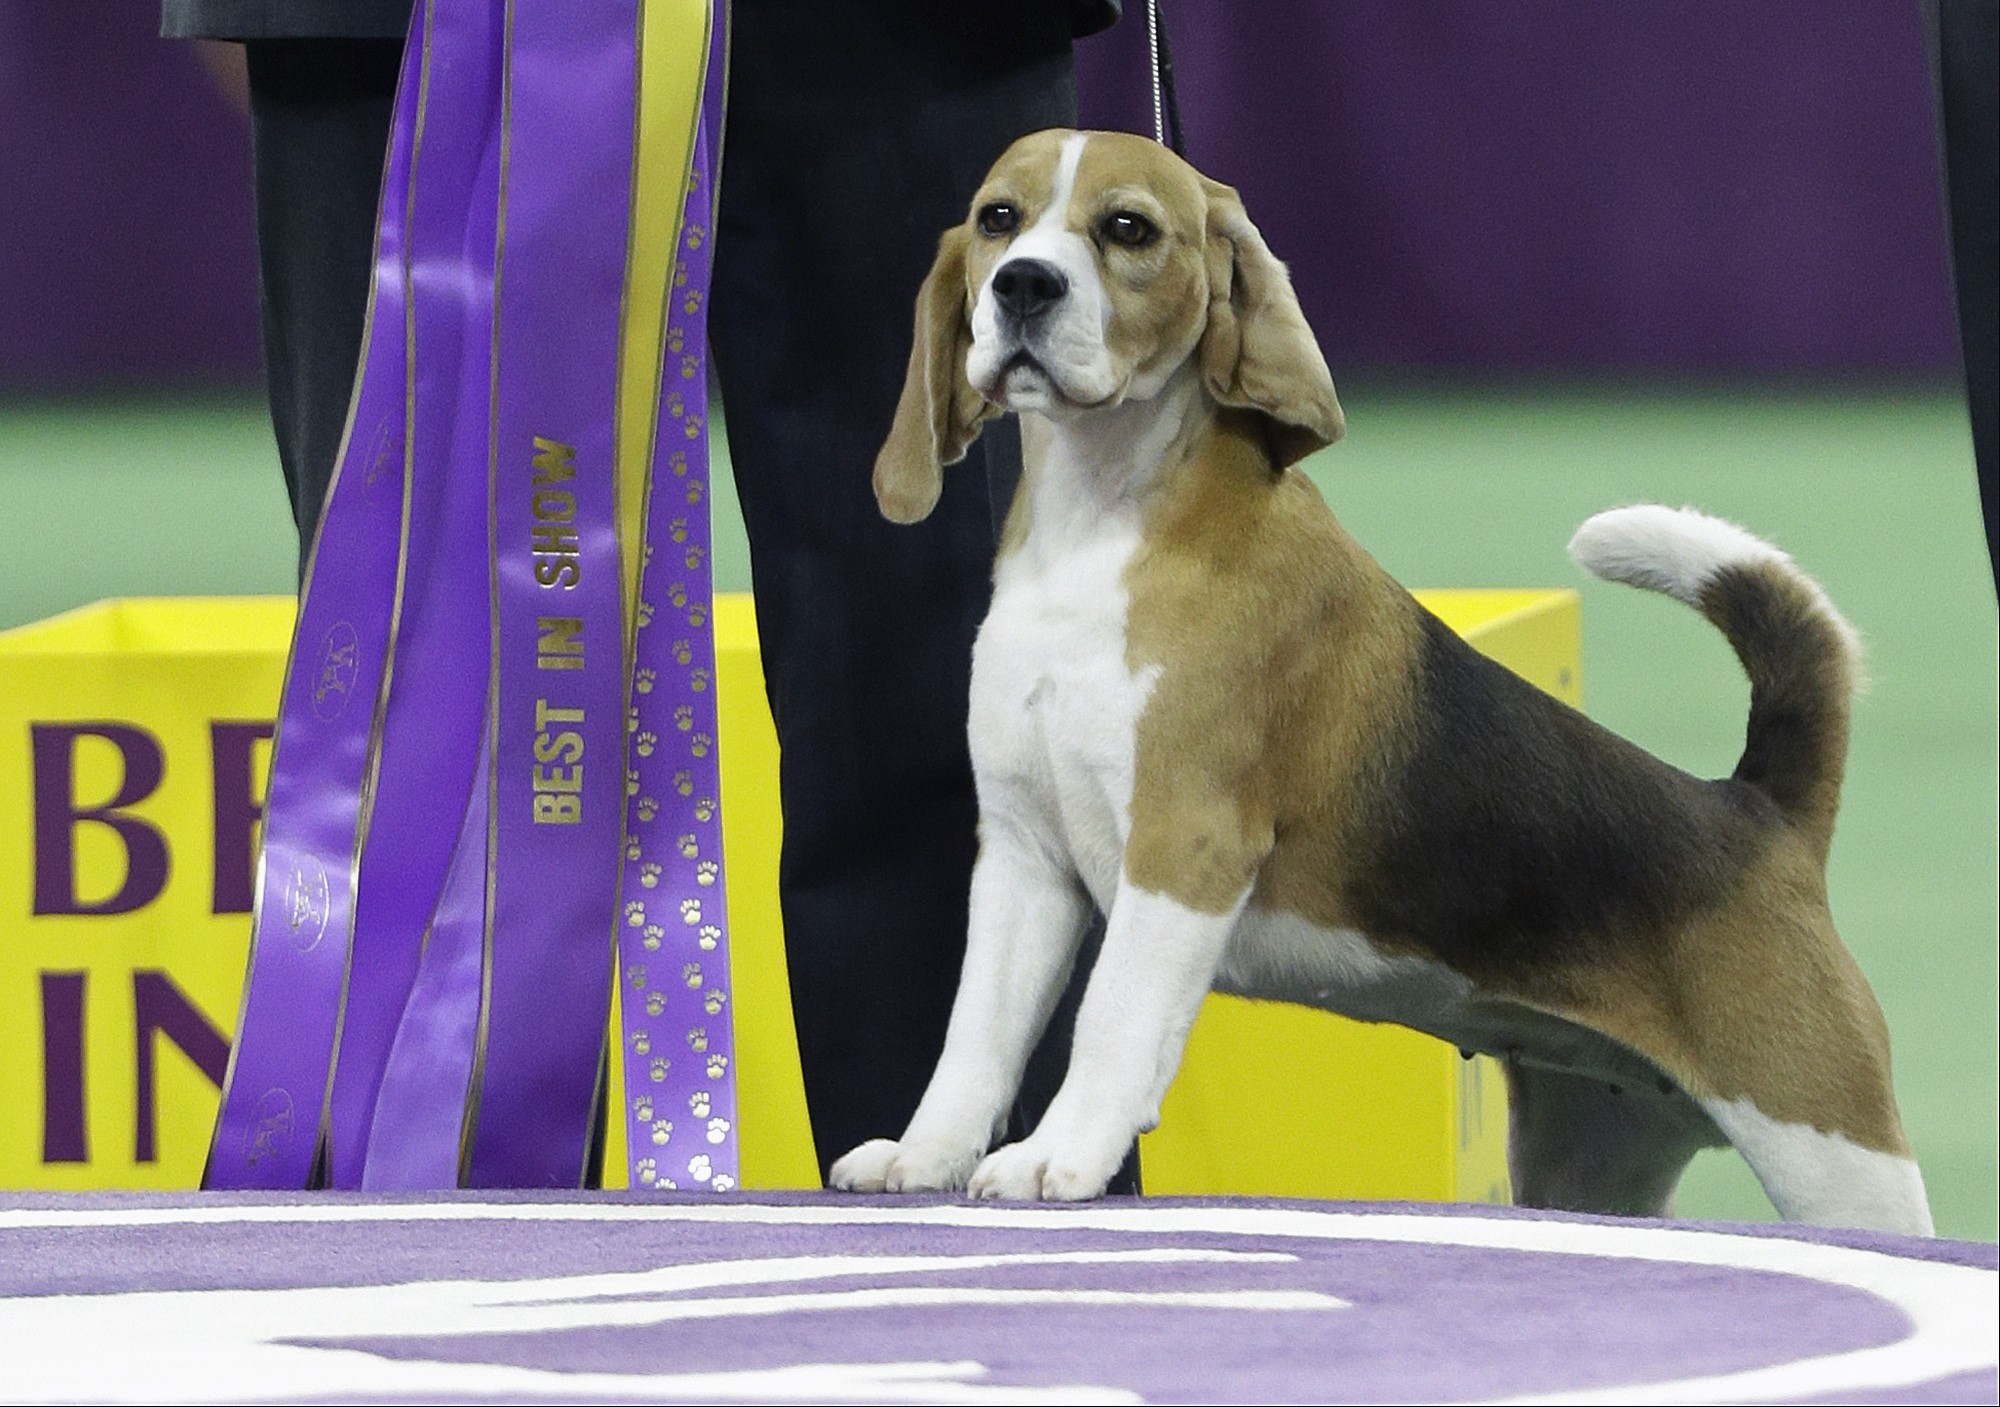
x=320 y=111
x=1964 y=35
x=856 y=134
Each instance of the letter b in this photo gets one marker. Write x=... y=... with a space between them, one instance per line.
x=57 y=815
x=557 y=810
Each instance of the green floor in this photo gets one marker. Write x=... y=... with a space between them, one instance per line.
x=1451 y=486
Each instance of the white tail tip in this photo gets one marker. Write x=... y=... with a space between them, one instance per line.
x=1676 y=551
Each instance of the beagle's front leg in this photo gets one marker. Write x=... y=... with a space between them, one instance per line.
x=1027 y=917
x=1158 y=961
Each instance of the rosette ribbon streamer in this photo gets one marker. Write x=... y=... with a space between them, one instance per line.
x=494 y=791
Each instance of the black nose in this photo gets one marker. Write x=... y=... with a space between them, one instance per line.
x=1026 y=288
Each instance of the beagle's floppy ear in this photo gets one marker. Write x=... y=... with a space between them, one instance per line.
x=1257 y=352
x=939 y=414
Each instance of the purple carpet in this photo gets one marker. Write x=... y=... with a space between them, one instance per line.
x=823 y=1298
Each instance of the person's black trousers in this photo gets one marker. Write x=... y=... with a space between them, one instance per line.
x=1965 y=50
x=857 y=131
x=320 y=111
x=852 y=144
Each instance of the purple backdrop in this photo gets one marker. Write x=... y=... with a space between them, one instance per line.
x=125 y=239
x=1706 y=188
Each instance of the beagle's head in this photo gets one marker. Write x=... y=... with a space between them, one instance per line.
x=1091 y=267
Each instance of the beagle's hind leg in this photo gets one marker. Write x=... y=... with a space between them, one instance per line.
x=1578 y=1144
x=1794 y=1057
x=1826 y=1179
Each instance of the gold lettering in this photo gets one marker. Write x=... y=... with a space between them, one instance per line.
x=544 y=715
x=554 y=505
x=558 y=747
x=557 y=776
x=557 y=556
x=560 y=645
x=551 y=810
x=554 y=461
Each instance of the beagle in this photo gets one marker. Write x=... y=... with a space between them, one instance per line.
x=1200 y=705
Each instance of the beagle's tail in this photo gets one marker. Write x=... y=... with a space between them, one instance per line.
x=1803 y=658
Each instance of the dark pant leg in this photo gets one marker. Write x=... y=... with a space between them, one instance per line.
x=320 y=111
x=1967 y=40
x=856 y=134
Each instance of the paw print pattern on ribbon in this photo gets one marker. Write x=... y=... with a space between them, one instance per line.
x=672 y=780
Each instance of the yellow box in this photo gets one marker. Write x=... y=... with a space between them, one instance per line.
x=122 y=939
x=124 y=954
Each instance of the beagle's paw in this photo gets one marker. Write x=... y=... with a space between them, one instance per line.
x=1030 y=1172
x=884 y=1165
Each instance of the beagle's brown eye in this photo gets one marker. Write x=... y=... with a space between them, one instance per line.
x=1130 y=229
x=998 y=218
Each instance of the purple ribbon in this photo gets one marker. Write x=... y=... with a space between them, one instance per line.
x=673 y=952
x=276 y=1087
x=558 y=639
x=435 y=1011
x=437 y=690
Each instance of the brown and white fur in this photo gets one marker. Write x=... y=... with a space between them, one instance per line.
x=1199 y=704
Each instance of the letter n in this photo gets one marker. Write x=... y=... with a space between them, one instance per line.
x=159 y=1006
x=56 y=817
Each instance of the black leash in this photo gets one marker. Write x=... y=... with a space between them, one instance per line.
x=1166 y=106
